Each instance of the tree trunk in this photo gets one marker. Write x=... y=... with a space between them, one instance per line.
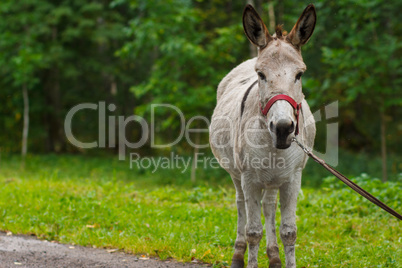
x=55 y=140
x=271 y=13
x=383 y=147
x=196 y=150
x=280 y=8
x=54 y=121
x=24 y=147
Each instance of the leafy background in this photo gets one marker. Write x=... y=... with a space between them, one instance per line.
x=134 y=53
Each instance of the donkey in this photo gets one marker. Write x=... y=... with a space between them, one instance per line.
x=260 y=109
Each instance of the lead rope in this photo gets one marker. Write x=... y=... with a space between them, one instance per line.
x=349 y=183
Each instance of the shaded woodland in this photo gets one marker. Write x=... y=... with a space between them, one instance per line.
x=57 y=54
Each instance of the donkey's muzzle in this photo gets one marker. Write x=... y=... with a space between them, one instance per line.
x=282 y=129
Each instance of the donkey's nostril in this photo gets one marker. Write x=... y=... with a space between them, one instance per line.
x=271 y=126
x=284 y=127
x=292 y=127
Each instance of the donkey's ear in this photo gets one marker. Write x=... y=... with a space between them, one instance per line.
x=304 y=27
x=255 y=28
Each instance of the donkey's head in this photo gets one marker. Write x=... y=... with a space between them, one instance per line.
x=280 y=67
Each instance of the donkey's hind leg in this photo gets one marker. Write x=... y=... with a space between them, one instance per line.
x=269 y=202
x=241 y=243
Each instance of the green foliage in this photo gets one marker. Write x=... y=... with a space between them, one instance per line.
x=105 y=204
x=352 y=164
x=360 y=49
x=64 y=54
x=134 y=53
x=341 y=200
x=183 y=57
x=351 y=63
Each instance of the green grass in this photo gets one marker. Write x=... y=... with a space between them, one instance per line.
x=101 y=202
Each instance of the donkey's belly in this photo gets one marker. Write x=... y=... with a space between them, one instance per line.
x=224 y=129
x=222 y=148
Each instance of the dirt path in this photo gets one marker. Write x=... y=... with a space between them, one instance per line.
x=26 y=251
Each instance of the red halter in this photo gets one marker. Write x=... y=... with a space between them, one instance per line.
x=295 y=105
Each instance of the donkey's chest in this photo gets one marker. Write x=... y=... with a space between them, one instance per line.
x=268 y=178
x=273 y=168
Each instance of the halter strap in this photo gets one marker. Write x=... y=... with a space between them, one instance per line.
x=290 y=100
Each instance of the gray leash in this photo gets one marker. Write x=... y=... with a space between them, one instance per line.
x=348 y=182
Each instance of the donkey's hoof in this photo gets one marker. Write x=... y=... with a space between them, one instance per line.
x=237 y=264
x=275 y=263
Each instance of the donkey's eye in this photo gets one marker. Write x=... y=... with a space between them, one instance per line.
x=261 y=75
x=298 y=76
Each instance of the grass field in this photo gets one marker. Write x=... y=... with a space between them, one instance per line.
x=101 y=202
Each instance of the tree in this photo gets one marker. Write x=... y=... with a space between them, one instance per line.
x=62 y=54
x=187 y=48
x=361 y=58
x=24 y=54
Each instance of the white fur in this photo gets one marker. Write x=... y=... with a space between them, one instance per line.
x=240 y=139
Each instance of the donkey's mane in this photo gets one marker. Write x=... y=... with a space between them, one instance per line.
x=279 y=32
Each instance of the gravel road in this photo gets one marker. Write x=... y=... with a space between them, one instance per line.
x=27 y=251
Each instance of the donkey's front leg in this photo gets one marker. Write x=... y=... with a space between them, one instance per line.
x=241 y=243
x=288 y=198
x=252 y=194
x=269 y=201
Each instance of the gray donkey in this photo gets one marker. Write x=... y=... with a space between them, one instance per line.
x=260 y=109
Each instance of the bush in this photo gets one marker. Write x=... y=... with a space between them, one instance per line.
x=340 y=199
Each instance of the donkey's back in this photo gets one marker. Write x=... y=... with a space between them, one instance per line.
x=227 y=114
x=238 y=79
